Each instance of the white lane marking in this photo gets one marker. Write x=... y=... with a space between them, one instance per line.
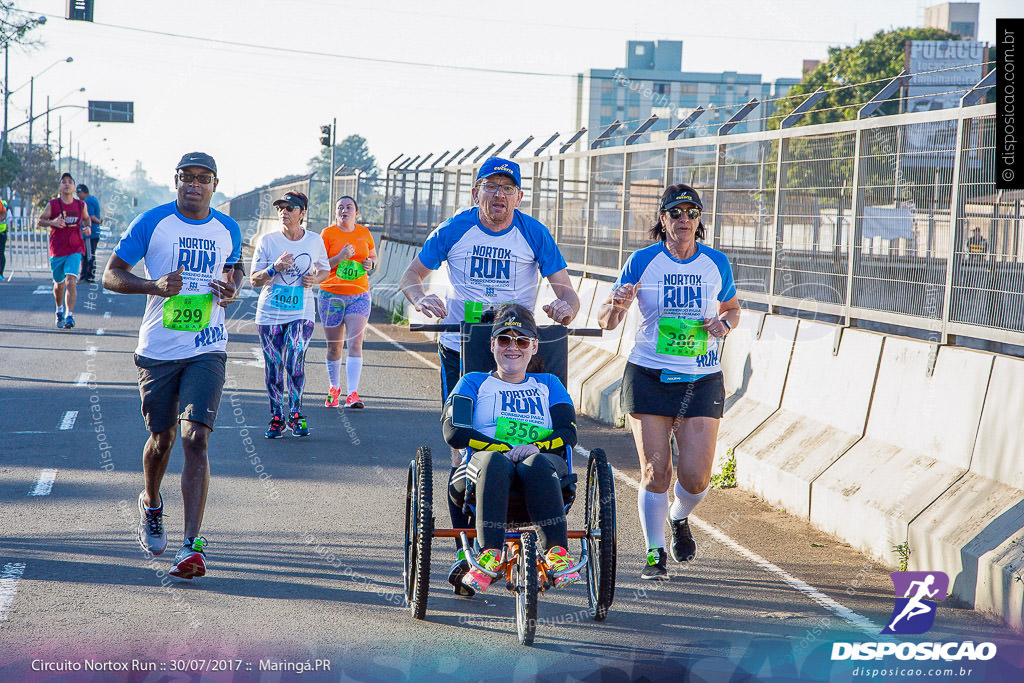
x=391 y=341
x=91 y=351
x=257 y=353
x=44 y=483
x=43 y=289
x=106 y=314
x=858 y=621
x=83 y=379
x=68 y=420
x=9 y=576
x=100 y=331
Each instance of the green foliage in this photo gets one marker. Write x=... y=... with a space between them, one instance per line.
x=726 y=479
x=36 y=180
x=15 y=25
x=352 y=152
x=903 y=550
x=878 y=59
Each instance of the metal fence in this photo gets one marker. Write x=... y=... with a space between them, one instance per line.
x=27 y=246
x=891 y=219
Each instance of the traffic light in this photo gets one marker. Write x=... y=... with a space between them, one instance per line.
x=79 y=10
x=325 y=135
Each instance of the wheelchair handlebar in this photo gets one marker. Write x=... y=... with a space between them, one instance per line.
x=457 y=327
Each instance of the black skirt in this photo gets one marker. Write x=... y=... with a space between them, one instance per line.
x=643 y=393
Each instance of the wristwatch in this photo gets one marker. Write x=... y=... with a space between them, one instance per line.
x=727 y=325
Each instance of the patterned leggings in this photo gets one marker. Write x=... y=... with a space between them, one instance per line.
x=284 y=352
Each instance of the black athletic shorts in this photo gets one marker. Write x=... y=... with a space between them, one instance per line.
x=644 y=393
x=451 y=370
x=186 y=389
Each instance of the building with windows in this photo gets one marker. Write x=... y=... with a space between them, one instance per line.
x=955 y=17
x=653 y=82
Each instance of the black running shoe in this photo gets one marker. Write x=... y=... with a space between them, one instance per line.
x=656 y=566
x=190 y=560
x=683 y=545
x=460 y=569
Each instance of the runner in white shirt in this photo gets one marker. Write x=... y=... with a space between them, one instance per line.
x=495 y=254
x=286 y=264
x=187 y=248
x=673 y=381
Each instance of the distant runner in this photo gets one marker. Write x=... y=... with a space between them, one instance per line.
x=344 y=299
x=182 y=342
x=68 y=220
x=285 y=264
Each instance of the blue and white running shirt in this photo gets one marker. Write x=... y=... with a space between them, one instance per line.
x=489 y=268
x=191 y=323
x=513 y=413
x=675 y=298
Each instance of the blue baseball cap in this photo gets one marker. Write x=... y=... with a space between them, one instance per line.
x=497 y=165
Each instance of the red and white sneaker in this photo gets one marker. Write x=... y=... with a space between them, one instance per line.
x=353 y=401
x=332 y=398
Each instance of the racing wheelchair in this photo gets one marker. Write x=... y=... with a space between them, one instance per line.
x=526 y=574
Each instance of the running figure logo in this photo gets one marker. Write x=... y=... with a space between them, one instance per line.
x=916 y=596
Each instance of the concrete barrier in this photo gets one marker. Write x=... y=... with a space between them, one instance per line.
x=754 y=368
x=920 y=434
x=592 y=353
x=823 y=412
x=974 y=531
x=386 y=288
x=599 y=396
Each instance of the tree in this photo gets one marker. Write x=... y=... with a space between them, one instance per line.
x=352 y=151
x=870 y=62
x=36 y=181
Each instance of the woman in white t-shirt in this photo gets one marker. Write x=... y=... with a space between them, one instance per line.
x=286 y=264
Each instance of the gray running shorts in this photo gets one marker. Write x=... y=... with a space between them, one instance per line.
x=186 y=389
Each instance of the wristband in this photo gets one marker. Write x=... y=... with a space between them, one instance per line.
x=727 y=325
x=270 y=271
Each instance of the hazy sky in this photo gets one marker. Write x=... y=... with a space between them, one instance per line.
x=258 y=110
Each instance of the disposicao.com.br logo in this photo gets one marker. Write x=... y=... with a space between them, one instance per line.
x=917 y=595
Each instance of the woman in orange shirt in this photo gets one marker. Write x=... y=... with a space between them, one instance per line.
x=343 y=299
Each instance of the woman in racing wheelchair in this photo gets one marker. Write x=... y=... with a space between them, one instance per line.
x=516 y=427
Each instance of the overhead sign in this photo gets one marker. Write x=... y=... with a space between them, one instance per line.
x=79 y=10
x=111 y=112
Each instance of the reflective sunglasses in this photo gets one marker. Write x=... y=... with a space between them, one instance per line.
x=203 y=178
x=505 y=340
x=287 y=207
x=675 y=213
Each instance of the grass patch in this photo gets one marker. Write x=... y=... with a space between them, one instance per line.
x=726 y=479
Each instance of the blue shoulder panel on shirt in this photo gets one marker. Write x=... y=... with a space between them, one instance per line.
x=556 y=391
x=134 y=242
x=545 y=251
x=437 y=245
x=636 y=264
x=469 y=384
x=722 y=261
x=236 y=236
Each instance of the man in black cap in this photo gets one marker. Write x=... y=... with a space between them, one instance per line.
x=93 y=205
x=193 y=269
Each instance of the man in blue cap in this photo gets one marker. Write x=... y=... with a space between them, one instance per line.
x=496 y=254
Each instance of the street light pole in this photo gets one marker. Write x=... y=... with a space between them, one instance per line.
x=31 y=97
x=7 y=82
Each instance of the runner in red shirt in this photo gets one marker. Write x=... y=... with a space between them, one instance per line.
x=68 y=220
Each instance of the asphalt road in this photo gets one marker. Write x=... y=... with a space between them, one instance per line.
x=305 y=544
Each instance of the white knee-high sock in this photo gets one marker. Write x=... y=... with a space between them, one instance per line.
x=334 y=373
x=353 y=369
x=653 y=509
x=686 y=501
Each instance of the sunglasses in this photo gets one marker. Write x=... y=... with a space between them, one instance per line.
x=675 y=213
x=287 y=207
x=506 y=340
x=203 y=178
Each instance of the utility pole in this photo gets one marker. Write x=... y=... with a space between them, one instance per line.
x=31 y=99
x=60 y=142
x=334 y=142
x=47 y=123
x=7 y=91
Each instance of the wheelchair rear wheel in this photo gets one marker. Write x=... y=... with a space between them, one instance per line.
x=419 y=531
x=599 y=516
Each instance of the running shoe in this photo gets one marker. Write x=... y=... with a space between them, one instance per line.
x=353 y=401
x=332 y=397
x=60 y=320
x=151 y=527
x=683 y=545
x=459 y=570
x=190 y=560
x=69 y=321
x=656 y=567
x=1 y=278
x=557 y=559
x=476 y=579
x=297 y=423
x=276 y=428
